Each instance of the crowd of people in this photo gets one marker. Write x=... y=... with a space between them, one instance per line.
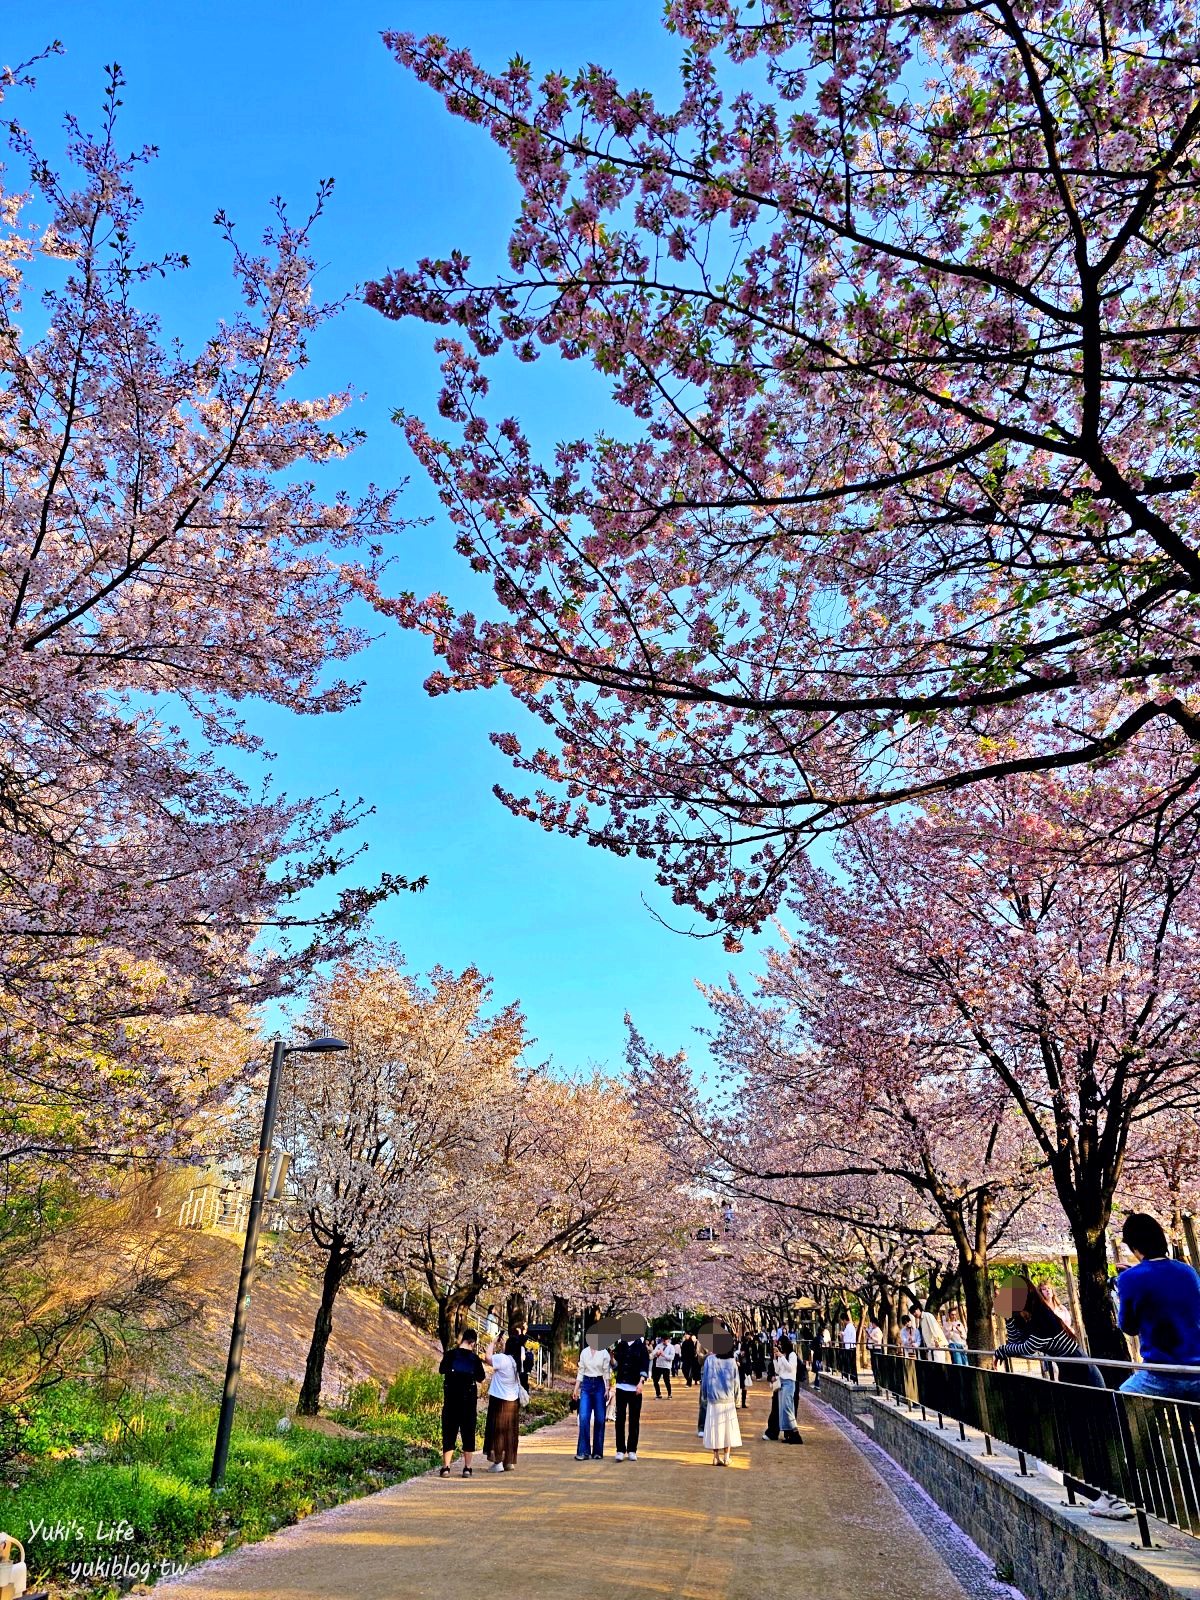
x=611 y=1378
x=1158 y=1304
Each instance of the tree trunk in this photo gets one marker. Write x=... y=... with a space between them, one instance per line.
x=337 y=1267
x=977 y=1296
x=888 y=1321
x=1106 y=1342
x=452 y=1316
x=560 y=1327
x=517 y=1311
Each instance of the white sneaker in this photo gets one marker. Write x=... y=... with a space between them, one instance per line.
x=632 y=1456
x=620 y=1457
x=1108 y=1505
x=699 y=1433
x=499 y=1467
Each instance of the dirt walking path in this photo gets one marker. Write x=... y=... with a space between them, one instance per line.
x=804 y=1522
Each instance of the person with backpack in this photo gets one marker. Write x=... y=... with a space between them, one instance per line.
x=462 y=1373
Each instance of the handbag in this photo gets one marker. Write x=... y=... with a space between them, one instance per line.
x=574 y=1402
x=522 y=1394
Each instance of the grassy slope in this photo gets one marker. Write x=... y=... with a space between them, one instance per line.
x=369 y=1341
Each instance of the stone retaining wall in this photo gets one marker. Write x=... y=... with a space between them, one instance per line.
x=851 y=1400
x=1047 y=1548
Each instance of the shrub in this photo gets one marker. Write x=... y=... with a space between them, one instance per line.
x=154 y=1474
x=414 y=1389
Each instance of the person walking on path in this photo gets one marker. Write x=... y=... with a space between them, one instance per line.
x=934 y=1344
x=690 y=1366
x=761 y=1353
x=849 y=1334
x=785 y=1371
x=745 y=1363
x=631 y=1368
x=701 y=1358
x=665 y=1356
x=503 y=1426
x=592 y=1385
x=1158 y=1302
x=718 y=1395
x=462 y=1373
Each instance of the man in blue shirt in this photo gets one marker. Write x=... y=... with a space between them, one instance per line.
x=1158 y=1301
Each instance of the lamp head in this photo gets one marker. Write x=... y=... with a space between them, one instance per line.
x=319 y=1047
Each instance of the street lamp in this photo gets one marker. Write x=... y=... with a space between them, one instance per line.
x=233 y=1366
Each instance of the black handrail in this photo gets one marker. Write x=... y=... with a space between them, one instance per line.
x=1145 y=1451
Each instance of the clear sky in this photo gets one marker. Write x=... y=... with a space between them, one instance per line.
x=247 y=99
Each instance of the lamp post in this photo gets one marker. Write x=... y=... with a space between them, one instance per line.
x=233 y=1366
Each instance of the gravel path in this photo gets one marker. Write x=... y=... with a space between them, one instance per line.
x=805 y=1522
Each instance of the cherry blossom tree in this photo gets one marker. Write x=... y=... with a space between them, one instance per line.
x=830 y=1202
x=558 y=1193
x=1003 y=931
x=165 y=559
x=376 y=1127
x=819 y=1051
x=900 y=305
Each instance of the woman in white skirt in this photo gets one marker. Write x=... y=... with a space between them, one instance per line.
x=718 y=1392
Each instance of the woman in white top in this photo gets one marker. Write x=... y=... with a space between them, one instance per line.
x=663 y=1359
x=785 y=1371
x=592 y=1388
x=503 y=1426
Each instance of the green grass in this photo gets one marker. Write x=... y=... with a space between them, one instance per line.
x=146 y=1464
x=93 y=1462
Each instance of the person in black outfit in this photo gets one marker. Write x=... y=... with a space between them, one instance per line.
x=462 y=1372
x=631 y=1368
x=759 y=1348
x=687 y=1356
x=744 y=1363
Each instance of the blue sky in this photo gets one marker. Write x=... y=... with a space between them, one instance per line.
x=246 y=101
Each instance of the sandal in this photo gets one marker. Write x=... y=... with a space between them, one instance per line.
x=443 y=1472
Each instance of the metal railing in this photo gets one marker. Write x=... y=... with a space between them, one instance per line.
x=843 y=1360
x=1142 y=1450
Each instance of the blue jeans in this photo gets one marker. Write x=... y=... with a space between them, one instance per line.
x=958 y=1353
x=591 y=1416
x=787 y=1405
x=1163 y=1385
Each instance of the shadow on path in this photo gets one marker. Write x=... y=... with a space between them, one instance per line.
x=805 y=1522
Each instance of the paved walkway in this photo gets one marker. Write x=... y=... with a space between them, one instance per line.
x=805 y=1522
